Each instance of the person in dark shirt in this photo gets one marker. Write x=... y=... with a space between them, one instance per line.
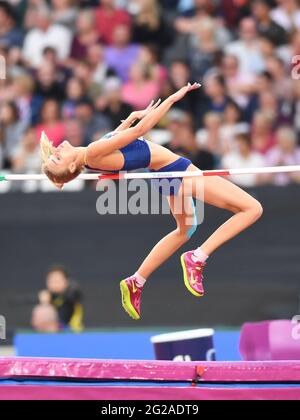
x=180 y=75
x=150 y=26
x=261 y=10
x=47 y=86
x=93 y=123
x=183 y=140
x=216 y=98
x=10 y=35
x=114 y=108
x=65 y=296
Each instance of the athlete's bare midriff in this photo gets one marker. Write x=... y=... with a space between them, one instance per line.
x=160 y=157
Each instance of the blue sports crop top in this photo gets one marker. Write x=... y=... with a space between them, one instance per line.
x=136 y=155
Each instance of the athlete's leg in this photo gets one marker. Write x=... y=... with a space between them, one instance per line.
x=222 y=193
x=132 y=287
x=183 y=212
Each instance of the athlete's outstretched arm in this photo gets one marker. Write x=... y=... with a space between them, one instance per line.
x=155 y=116
x=104 y=147
x=137 y=115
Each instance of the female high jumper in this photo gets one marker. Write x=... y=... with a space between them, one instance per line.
x=126 y=149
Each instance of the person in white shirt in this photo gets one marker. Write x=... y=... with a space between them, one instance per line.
x=46 y=34
x=287 y=14
x=240 y=85
x=247 y=48
x=26 y=157
x=232 y=126
x=243 y=157
x=286 y=152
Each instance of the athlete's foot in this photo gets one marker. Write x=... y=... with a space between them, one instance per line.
x=131 y=297
x=193 y=274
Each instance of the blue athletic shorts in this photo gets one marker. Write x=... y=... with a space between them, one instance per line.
x=170 y=186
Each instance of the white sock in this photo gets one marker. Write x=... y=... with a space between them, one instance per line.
x=140 y=281
x=199 y=256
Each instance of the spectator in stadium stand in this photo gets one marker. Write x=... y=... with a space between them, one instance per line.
x=140 y=89
x=243 y=157
x=92 y=122
x=285 y=152
x=149 y=56
x=65 y=296
x=26 y=157
x=75 y=93
x=62 y=71
x=51 y=122
x=268 y=104
x=179 y=75
x=203 y=22
x=232 y=125
x=247 y=49
x=112 y=105
x=287 y=14
x=266 y=26
x=11 y=130
x=122 y=54
x=262 y=132
x=47 y=86
x=209 y=137
x=46 y=34
x=149 y=25
x=282 y=84
x=86 y=35
x=10 y=35
x=190 y=149
x=183 y=139
x=203 y=50
x=22 y=88
x=239 y=85
x=108 y=18
x=64 y=12
x=289 y=51
x=233 y=11
x=217 y=97
x=99 y=68
x=44 y=319
x=74 y=132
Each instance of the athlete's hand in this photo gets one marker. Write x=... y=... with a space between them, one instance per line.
x=185 y=90
x=139 y=115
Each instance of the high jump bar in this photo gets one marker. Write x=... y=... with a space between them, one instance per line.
x=160 y=175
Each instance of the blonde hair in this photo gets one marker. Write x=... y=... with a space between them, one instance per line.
x=149 y=13
x=47 y=149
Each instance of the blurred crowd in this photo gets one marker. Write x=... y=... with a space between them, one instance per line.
x=76 y=68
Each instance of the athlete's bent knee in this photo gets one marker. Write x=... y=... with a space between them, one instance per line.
x=257 y=210
x=192 y=230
